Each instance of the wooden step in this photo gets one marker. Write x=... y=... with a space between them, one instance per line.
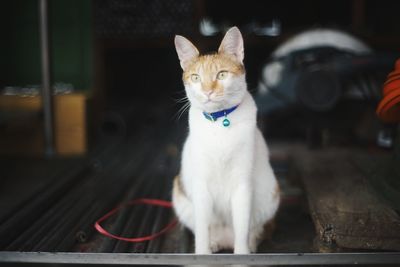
x=345 y=209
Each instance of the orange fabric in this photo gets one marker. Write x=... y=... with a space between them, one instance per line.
x=389 y=108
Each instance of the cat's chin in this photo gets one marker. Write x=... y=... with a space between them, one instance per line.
x=212 y=106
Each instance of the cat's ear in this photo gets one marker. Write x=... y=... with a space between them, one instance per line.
x=186 y=50
x=232 y=44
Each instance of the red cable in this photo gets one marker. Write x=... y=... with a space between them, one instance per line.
x=153 y=202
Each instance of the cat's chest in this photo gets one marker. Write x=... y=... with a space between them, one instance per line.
x=214 y=135
x=218 y=142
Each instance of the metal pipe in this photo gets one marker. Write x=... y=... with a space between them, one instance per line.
x=133 y=219
x=49 y=224
x=80 y=233
x=159 y=219
x=144 y=228
x=47 y=96
x=193 y=259
x=63 y=221
x=136 y=152
x=125 y=171
x=39 y=205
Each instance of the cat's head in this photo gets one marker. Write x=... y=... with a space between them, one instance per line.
x=216 y=81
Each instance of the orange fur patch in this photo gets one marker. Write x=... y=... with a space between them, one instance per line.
x=208 y=66
x=177 y=187
x=277 y=191
x=269 y=229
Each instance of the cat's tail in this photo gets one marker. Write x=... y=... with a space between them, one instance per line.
x=182 y=205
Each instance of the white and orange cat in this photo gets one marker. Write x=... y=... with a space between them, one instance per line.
x=226 y=191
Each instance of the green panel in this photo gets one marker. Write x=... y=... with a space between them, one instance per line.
x=19 y=49
x=70 y=37
x=71 y=42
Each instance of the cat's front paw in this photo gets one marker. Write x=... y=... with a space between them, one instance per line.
x=203 y=250
x=253 y=248
x=253 y=244
x=241 y=250
x=214 y=247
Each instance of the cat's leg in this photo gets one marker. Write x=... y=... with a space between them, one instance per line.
x=241 y=209
x=242 y=167
x=196 y=173
x=253 y=241
x=182 y=205
x=203 y=215
x=256 y=236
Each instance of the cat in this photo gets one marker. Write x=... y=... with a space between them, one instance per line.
x=226 y=191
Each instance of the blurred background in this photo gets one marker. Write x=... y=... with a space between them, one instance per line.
x=110 y=128
x=116 y=58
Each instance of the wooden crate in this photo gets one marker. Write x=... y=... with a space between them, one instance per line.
x=70 y=124
x=22 y=130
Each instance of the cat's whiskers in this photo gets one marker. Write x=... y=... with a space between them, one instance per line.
x=182 y=98
x=182 y=110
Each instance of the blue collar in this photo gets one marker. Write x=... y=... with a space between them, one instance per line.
x=222 y=113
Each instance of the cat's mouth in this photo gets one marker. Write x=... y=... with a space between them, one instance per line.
x=211 y=100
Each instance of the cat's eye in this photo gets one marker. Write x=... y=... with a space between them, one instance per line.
x=195 y=78
x=222 y=75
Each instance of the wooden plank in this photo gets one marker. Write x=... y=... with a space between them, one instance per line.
x=20 y=103
x=70 y=124
x=344 y=208
x=383 y=173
